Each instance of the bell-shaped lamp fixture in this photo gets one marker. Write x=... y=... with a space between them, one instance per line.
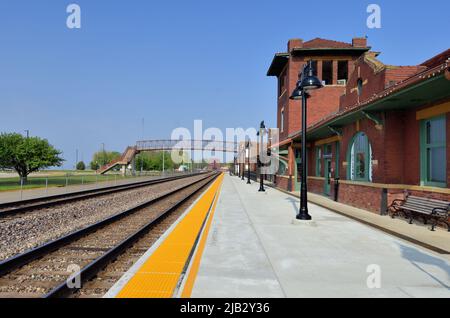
x=309 y=81
x=297 y=93
x=306 y=83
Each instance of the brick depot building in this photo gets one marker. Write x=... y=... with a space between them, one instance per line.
x=383 y=130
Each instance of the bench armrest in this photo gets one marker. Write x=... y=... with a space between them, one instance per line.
x=397 y=203
x=440 y=212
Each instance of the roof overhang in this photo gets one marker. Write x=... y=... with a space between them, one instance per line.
x=327 y=51
x=278 y=63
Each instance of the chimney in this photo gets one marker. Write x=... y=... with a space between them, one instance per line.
x=359 y=42
x=294 y=43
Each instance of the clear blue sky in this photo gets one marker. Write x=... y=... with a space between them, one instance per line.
x=171 y=62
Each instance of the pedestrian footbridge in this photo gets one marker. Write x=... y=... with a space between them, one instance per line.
x=130 y=153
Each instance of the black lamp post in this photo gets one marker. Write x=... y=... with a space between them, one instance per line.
x=247 y=154
x=262 y=129
x=307 y=82
x=243 y=166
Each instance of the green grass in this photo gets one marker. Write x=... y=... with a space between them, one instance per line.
x=10 y=184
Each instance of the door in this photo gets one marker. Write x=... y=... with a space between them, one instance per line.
x=328 y=176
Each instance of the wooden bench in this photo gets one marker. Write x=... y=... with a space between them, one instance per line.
x=427 y=209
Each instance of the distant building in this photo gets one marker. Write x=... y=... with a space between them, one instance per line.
x=383 y=130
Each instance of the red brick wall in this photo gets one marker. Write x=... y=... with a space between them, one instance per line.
x=411 y=149
x=293 y=119
x=283 y=183
x=375 y=83
x=283 y=103
x=362 y=197
x=322 y=103
x=315 y=186
x=393 y=148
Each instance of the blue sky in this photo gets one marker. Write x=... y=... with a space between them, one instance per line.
x=171 y=62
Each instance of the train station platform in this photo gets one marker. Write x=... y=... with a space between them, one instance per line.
x=247 y=244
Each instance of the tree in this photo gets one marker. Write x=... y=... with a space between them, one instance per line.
x=81 y=166
x=94 y=165
x=104 y=157
x=27 y=155
x=154 y=161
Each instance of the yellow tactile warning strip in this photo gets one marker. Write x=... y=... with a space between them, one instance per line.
x=190 y=280
x=158 y=277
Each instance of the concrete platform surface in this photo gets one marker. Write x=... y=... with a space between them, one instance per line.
x=254 y=249
x=417 y=233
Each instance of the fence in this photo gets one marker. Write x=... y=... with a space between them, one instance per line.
x=15 y=188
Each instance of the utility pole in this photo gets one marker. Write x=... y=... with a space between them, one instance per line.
x=164 y=159
x=143 y=134
x=104 y=154
x=76 y=160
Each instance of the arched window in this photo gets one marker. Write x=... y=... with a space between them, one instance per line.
x=360 y=86
x=360 y=158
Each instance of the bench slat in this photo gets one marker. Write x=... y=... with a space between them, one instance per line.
x=438 y=202
x=413 y=206
x=429 y=204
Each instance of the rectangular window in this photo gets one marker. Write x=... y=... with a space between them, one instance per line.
x=433 y=152
x=282 y=120
x=281 y=84
x=327 y=72
x=342 y=70
x=318 y=161
x=327 y=151
x=314 y=67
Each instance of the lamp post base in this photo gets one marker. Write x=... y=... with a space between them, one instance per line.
x=303 y=215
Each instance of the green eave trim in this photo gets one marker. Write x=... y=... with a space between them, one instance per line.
x=428 y=91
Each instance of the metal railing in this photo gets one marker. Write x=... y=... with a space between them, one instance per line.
x=212 y=145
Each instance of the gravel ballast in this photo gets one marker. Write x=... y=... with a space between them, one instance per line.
x=35 y=228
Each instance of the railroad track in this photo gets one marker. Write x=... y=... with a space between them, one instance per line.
x=13 y=208
x=43 y=271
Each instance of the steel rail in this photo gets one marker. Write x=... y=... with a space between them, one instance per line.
x=8 y=209
x=24 y=258
x=90 y=270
